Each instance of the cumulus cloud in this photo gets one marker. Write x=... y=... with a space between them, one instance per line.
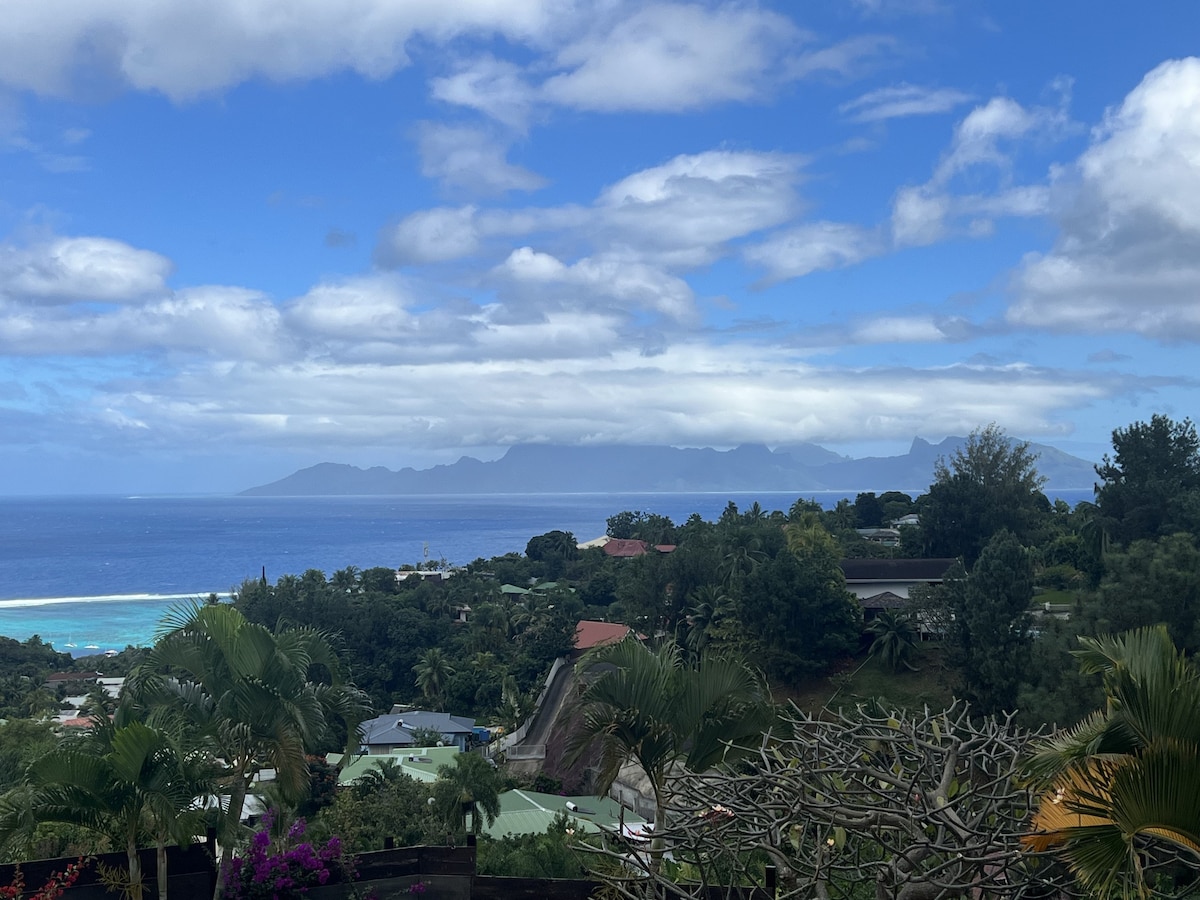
x=982 y=147
x=80 y=269
x=492 y=86
x=671 y=57
x=683 y=213
x=902 y=101
x=431 y=235
x=1127 y=258
x=473 y=159
x=205 y=320
x=607 y=280
x=813 y=247
x=188 y=48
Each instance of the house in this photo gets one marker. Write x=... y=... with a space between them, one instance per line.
x=889 y=537
x=872 y=606
x=589 y=634
x=881 y=584
x=910 y=519
x=392 y=733
x=623 y=548
x=865 y=578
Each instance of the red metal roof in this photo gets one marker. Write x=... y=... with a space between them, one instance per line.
x=592 y=634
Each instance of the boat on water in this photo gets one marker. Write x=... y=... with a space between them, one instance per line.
x=91 y=646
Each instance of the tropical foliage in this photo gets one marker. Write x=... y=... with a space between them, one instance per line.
x=1122 y=789
x=653 y=709
x=258 y=698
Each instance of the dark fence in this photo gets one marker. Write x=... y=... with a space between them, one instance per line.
x=447 y=872
x=191 y=874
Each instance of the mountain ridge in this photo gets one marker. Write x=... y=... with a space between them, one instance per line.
x=557 y=469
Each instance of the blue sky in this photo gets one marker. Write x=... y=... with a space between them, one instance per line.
x=235 y=241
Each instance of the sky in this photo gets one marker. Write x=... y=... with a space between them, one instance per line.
x=239 y=237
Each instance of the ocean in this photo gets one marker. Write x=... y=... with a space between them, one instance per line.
x=99 y=573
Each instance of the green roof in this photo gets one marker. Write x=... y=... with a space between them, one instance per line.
x=417 y=762
x=530 y=812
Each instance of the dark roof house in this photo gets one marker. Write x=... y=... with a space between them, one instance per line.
x=393 y=731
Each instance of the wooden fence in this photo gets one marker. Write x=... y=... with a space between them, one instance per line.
x=448 y=873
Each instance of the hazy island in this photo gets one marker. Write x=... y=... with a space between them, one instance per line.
x=551 y=469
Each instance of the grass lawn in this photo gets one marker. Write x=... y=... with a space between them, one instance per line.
x=863 y=678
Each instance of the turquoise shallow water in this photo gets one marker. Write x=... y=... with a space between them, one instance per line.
x=104 y=570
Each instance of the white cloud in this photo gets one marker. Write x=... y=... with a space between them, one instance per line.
x=901 y=101
x=685 y=211
x=1128 y=255
x=492 y=86
x=430 y=235
x=606 y=280
x=357 y=309
x=899 y=330
x=671 y=57
x=187 y=48
x=812 y=247
x=691 y=393
x=205 y=320
x=983 y=146
x=80 y=269
x=468 y=158
x=681 y=214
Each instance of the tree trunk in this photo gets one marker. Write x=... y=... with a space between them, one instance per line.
x=135 y=870
x=233 y=818
x=162 y=870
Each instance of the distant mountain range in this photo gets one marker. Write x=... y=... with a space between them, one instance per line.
x=550 y=469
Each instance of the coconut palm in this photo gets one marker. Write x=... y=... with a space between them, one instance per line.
x=259 y=698
x=1123 y=786
x=895 y=639
x=806 y=535
x=433 y=673
x=472 y=785
x=125 y=781
x=741 y=553
x=651 y=708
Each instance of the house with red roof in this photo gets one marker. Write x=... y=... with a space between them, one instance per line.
x=590 y=634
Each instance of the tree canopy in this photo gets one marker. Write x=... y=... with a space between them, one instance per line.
x=989 y=484
x=1150 y=486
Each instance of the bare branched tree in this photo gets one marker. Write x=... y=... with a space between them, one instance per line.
x=861 y=806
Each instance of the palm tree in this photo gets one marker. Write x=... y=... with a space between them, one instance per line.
x=806 y=535
x=660 y=713
x=433 y=672
x=741 y=553
x=251 y=693
x=895 y=639
x=120 y=780
x=1124 y=784
x=472 y=785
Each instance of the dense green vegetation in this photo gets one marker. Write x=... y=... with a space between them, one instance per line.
x=288 y=669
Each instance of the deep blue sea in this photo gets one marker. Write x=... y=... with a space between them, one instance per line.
x=100 y=572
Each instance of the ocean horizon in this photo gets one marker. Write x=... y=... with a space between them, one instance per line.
x=100 y=572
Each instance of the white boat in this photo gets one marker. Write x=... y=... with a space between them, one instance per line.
x=91 y=647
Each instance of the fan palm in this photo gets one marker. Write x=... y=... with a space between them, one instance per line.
x=1126 y=780
x=653 y=709
x=125 y=781
x=248 y=691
